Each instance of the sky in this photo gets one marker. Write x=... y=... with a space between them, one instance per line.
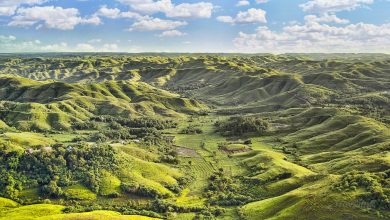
x=245 y=26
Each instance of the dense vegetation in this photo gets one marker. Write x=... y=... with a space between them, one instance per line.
x=237 y=126
x=200 y=136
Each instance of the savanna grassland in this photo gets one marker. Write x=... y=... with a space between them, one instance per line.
x=200 y=136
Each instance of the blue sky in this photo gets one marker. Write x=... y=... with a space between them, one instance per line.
x=253 y=26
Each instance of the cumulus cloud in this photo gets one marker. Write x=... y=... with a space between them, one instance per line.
x=109 y=48
x=195 y=10
x=148 y=6
x=243 y=3
x=59 y=47
x=326 y=6
x=85 y=47
x=225 y=19
x=252 y=15
x=148 y=23
x=9 y=38
x=172 y=33
x=326 y=19
x=317 y=37
x=109 y=12
x=8 y=7
x=154 y=24
x=95 y=40
x=183 y=10
x=51 y=17
x=115 y=13
x=9 y=43
x=261 y=1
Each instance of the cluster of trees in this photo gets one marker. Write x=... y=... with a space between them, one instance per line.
x=52 y=169
x=144 y=122
x=169 y=155
x=127 y=208
x=237 y=126
x=141 y=190
x=118 y=129
x=191 y=130
x=377 y=184
x=224 y=190
x=105 y=135
x=88 y=125
x=163 y=206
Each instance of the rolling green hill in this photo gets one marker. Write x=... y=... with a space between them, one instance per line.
x=140 y=136
x=33 y=105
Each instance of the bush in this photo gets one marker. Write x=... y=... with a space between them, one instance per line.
x=191 y=130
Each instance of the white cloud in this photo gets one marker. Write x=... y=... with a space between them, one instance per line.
x=148 y=23
x=153 y=24
x=94 y=41
x=261 y=1
x=243 y=3
x=184 y=10
x=172 y=33
x=252 y=15
x=115 y=13
x=8 y=7
x=51 y=17
x=60 y=47
x=109 y=12
x=7 y=10
x=80 y=47
x=10 y=44
x=195 y=10
x=326 y=19
x=225 y=19
x=130 y=14
x=9 y=38
x=315 y=37
x=325 y=6
x=109 y=48
x=85 y=47
x=148 y=6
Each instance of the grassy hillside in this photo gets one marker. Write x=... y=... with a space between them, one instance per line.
x=201 y=136
x=11 y=210
x=33 y=105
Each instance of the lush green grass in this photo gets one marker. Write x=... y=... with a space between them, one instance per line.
x=31 y=212
x=54 y=212
x=26 y=139
x=79 y=192
x=109 y=185
x=7 y=203
x=137 y=151
x=96 y=215
x=148 y=174
x=314 y=201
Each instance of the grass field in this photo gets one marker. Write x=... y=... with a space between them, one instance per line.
x=54 y=212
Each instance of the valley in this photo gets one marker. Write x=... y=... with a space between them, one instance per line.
x=194 y=136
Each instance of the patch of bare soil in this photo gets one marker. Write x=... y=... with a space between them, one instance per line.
x=186 y=152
